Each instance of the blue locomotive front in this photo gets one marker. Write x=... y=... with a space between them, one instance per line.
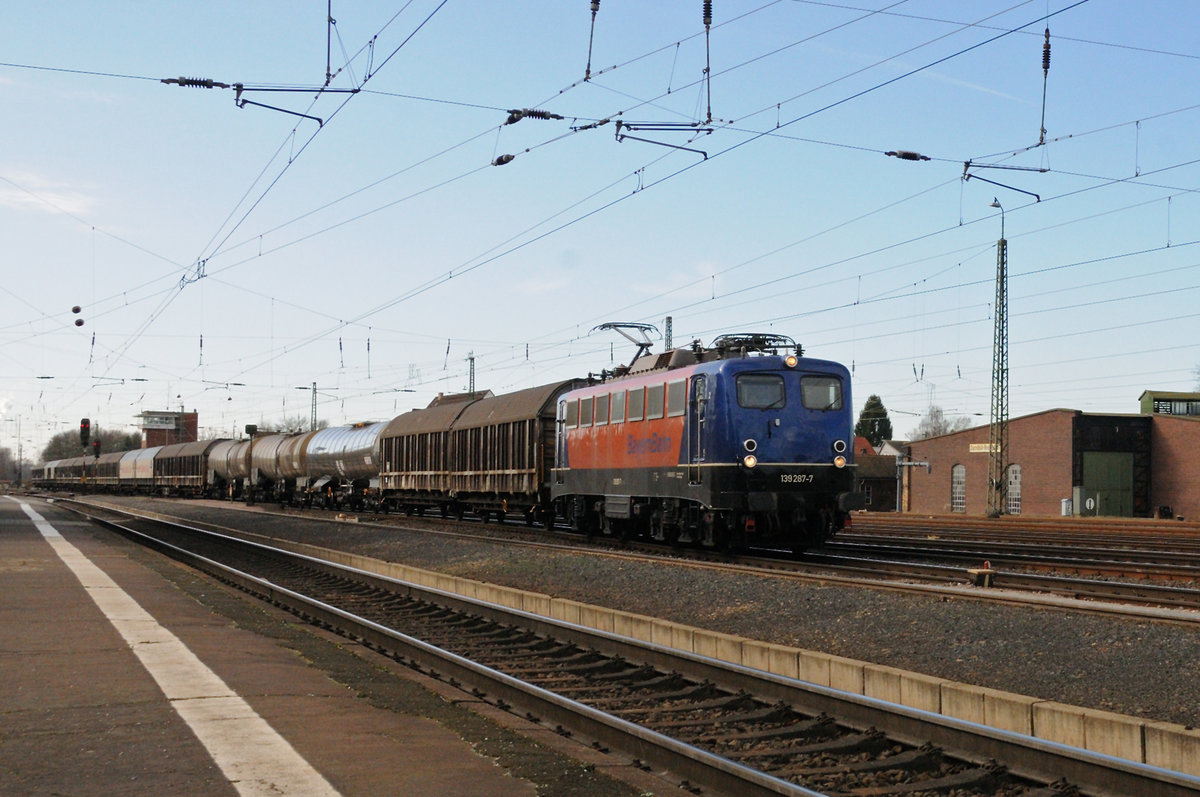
x=772 y=446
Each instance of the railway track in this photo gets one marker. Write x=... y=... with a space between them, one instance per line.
x=719 y=728
x=1096 y=596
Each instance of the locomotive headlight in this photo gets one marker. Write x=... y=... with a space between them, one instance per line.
x=749 y=460
x=791 y=360
x=839 y=446
x=750 y=444
x=839 y=461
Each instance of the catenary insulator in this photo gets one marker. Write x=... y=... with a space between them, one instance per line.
x=503 y=159
x=1046 y=54
x=196 y=82
x=707 y=12
x=595 y=6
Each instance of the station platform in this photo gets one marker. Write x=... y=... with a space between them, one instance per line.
x=117 y=682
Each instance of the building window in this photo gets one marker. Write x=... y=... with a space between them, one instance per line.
x=958 y=488
x=1012 y=503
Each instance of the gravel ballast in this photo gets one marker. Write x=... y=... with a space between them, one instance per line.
x=1145 y=669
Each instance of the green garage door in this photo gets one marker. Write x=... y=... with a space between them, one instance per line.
x=1107 y=484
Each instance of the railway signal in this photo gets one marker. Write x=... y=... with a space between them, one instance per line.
x=85 y=431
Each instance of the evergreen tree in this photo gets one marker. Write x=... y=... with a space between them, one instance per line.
x=873 y=422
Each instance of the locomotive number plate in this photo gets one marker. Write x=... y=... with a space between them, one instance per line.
x=796 y=478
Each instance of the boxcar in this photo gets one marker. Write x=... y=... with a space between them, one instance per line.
x=489 y=454
x=183 y=469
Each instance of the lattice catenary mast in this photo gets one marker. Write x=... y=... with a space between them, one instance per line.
x=998 y=436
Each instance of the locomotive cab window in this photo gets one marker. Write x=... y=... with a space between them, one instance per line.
x=821 y=392
x=572 y=413
x=585 y=411
x=761 y=391
x=637 y=404
x=654 y=401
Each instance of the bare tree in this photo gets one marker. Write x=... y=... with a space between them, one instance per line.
x=934 y=423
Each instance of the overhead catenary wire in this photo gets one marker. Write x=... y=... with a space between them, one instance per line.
x=210 y=272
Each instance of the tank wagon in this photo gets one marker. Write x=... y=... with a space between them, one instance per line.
x=744 y=443
x=343 y=466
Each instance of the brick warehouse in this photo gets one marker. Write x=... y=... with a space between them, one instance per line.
x=1065 y=461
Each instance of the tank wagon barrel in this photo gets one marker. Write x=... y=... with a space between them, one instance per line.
x=341 y=465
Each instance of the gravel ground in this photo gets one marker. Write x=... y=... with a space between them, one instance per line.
x=1146 y=669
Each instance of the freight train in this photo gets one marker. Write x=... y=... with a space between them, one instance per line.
x=743 y=443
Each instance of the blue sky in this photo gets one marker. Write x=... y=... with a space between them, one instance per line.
x=224 y=257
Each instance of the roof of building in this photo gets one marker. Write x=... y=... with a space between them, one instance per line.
x=1168 y=394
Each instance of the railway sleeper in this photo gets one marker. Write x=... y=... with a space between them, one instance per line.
x=638 y=677
x=504 y=634
x=923 y=758
x=869 y=741
x=693 y=692
x=572 y=665
x=536 y=650
x=671 y=681
x=974 y=778
x=771 y=714
x=821 y=725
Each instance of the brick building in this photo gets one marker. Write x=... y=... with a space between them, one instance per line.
x=164 y=428
x=1064 y=461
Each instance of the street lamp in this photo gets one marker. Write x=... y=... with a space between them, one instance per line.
x=995 y=203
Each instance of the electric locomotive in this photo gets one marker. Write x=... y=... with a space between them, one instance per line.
x=745 y=443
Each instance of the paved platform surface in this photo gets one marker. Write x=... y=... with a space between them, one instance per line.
x=117 y=682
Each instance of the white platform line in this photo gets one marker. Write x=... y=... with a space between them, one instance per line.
x=256 y=759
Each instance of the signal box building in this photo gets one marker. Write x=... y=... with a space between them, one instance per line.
x=167 y=428
x=1064 y=462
